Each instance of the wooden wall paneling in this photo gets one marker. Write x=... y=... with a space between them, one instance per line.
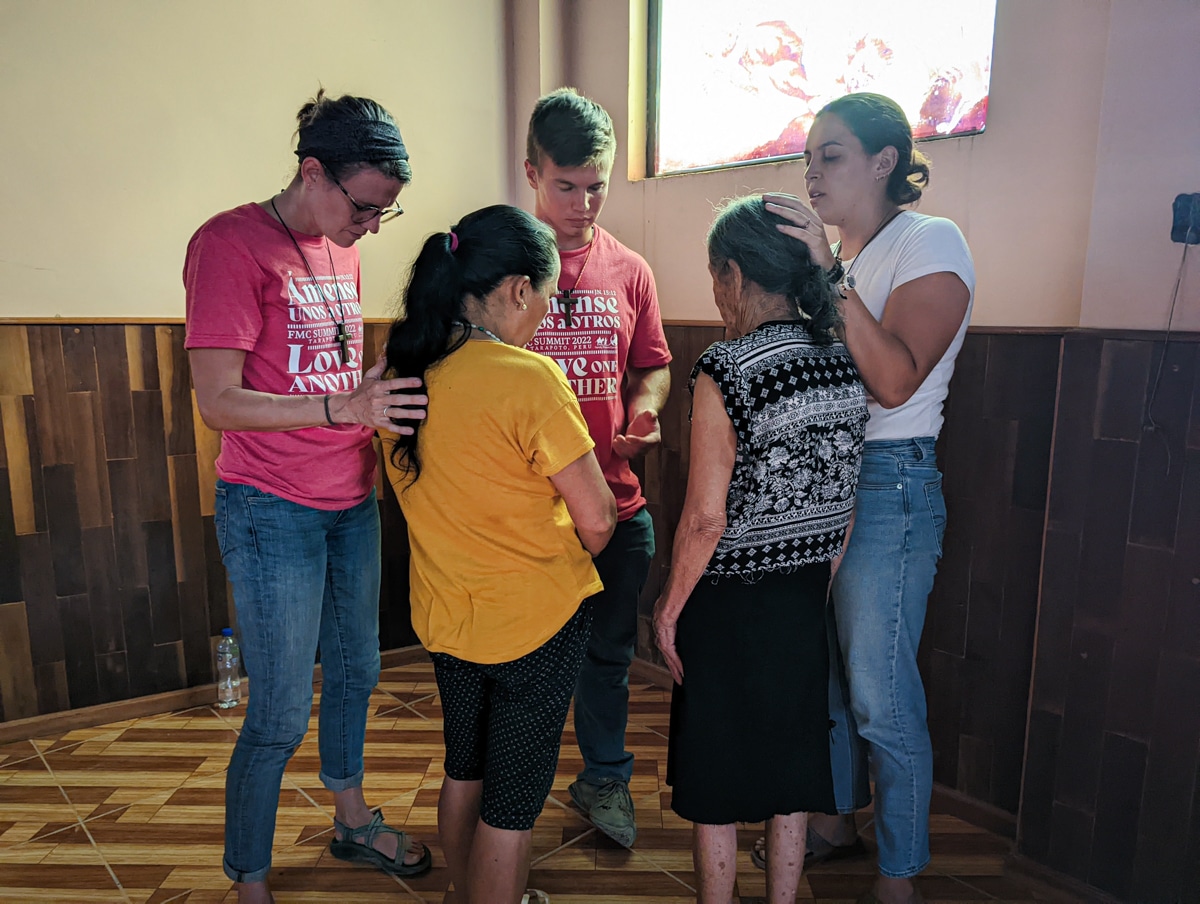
x=1070 y=484
x=153 y=482
x=188 y=529
x=220 y=601
x=1161 y=452
x=129 y=540
x=83 y=688
x=91 y=469
x=50 y=395
x=51 y=678
x=18 y=686
x=1078 y=777
x=1183 y=609
x=134 y=358
x=166 y=663
x=41 y=607
x=112 y=674
x=62 y=509
x=1102 y=554
x=1121 y=396
x=1037 y=788
x=36 y=482
x=1162 y=866
x=164 y=582
x=197 y=648
x=192 y=569
x=116 y=403
x=10 y=566
x=16 y=376
x=1137 y=639
x=147 y=344
x=175 y=381
x=1122 y=776
x=79 y=358
x=103 y=590
x=16 y=461
x=138 y=627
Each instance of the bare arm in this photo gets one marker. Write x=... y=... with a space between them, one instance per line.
x=895 y=355
x=646 y=391
x=225 y=404
x=702 y=522
x=920 y=321
x=589 y=501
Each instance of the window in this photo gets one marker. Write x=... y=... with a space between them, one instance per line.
x=739 y=82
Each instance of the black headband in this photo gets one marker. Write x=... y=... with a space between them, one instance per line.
x=360 y=141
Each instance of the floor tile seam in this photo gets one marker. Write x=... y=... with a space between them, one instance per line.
x=562 y=847
x=649 y=729
x=964 y=882
x=403 y=705
x=177 y=897
x=91 y=838
x=417 y=714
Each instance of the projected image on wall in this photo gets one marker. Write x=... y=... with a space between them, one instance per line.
x=741 y=82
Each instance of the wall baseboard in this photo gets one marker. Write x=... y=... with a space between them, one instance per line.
x=1021 y=865
x=977 y=813
x=153 y=705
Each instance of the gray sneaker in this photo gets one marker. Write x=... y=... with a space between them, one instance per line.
x=609 y=807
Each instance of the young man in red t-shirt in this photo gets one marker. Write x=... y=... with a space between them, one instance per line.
x=604 y=330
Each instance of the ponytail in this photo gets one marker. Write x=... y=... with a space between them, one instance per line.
x=469 y=261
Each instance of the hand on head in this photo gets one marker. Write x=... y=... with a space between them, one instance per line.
x=806 y=225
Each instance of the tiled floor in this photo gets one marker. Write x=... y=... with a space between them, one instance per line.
x=132 y=812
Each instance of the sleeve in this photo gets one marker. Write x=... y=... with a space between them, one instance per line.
x=935 y=246
x=553 y=441
x=648 y=348
x=719 y=364
x=222 y=283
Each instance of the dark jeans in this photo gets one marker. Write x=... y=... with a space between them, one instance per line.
x=602 y=691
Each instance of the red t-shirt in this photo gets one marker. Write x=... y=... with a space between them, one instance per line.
x=614 y=323
x=247 y=288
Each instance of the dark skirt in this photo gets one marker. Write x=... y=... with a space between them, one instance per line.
x=749 y=734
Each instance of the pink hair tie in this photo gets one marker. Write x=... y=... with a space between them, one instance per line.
x=453 y=242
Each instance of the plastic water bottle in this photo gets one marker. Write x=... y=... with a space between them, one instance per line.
x=229 y=671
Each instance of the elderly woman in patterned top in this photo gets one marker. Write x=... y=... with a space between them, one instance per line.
x=778 y=419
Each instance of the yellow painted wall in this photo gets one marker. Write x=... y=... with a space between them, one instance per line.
x=124 y=124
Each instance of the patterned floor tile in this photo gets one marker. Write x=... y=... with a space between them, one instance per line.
x=141 y=803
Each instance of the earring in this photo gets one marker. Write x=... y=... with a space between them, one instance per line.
x=524 y=307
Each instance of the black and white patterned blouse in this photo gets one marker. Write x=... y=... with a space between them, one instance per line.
x=800 y=413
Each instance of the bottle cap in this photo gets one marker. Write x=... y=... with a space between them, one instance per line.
x=227 y=632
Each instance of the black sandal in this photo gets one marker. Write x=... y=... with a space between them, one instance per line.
x=354 y=851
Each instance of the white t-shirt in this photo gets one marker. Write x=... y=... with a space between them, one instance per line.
x=911 y=246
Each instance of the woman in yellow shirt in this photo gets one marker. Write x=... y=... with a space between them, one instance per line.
x=506 y=505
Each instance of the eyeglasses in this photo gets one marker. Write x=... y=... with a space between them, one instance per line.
x=365 y=213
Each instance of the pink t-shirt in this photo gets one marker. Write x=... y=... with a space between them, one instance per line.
x=247 y=288
x=614 y=323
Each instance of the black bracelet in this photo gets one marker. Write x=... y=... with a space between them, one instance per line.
x=835 y=273
x=328 y=419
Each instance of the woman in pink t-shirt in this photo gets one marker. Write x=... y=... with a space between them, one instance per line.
x=275 y=335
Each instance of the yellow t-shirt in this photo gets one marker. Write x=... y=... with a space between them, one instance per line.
x=497 y=568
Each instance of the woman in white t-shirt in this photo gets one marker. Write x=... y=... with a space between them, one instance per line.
x=907 y=284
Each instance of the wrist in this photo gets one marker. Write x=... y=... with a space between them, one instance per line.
x=334 y=408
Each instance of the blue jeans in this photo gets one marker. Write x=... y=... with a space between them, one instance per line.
x=602 y=690
x=879 y=598
x=302 y=578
